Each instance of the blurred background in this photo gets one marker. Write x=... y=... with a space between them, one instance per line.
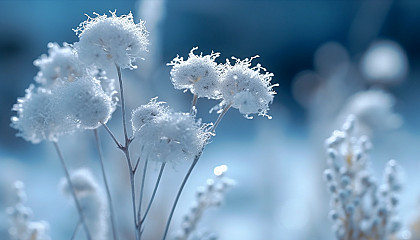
x=330 y=58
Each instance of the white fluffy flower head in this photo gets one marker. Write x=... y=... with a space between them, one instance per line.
x=39 y=116
x=146 y=113
x=200 y=74
x=172 y=137
x=86 y=103
x=61 y=64
x=111 y=40
x=247 y=88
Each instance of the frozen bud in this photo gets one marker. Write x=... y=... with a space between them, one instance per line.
x=343 y=194
x=350 y=209
x=365 y=143
x=247 y=88
x=146 y=113
x=349 y=124
x=394 y=201
x=345 y=180
x=332 y=187
x=333 y=215
x=328 y=175
x=336 y=139
x=111 y=40
x=395 y=225
x=199 y=74
x=61 y=64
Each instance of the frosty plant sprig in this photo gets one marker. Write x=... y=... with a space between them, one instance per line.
x=73 y=92
x=360 y=208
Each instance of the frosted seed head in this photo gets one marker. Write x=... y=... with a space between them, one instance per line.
x=172 y=137
x=147 y=113
x=86 y=104
x=247 y=88
x=111 y=40
x=199 y=74
x=61 y=64
x=40 y=117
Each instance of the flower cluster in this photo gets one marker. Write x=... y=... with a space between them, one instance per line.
x=211 y=195
x=106 y=41
x=240 y=85
x=361 y=209
x=165 y=135
x=91 y=200
x=22 y=228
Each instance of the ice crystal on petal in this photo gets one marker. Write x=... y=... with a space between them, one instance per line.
x=109 y=40
x=61 y=64
x=247 y=88
x=171 y=137
x=39 y=116
x=200 y=74
x=146 y=113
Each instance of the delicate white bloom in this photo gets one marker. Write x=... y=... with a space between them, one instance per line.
x=247 y=88
x=374 y=109
x=146 y=113
x=91 y=199
x=61 y=64
x=22 y=228
x=109 y=40
x=360 y=208
x=85 y=102
x=39 y=116
x=210 y=195
x=171 y=136
x=199 y=74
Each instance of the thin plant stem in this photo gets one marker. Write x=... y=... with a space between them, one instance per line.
x=141 y=196
x=197 y=157
x=76 y=229
x=112 y=135
x=133 y=191
x=194 y=103
x=154 y=192
x=122 y=105
x=72 y=190
x=213 y=129
x=108 y=193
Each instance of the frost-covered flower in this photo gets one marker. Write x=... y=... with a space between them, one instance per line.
x=146 y=113
x=374 y=109
x=360 y=208
x=91 y=199
x=199 y=74
x=40 y=116
x=247 y=88
x=171 y=137
x=22 y=228
x=109 y=40
x=85 y=102
x=61 y=64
